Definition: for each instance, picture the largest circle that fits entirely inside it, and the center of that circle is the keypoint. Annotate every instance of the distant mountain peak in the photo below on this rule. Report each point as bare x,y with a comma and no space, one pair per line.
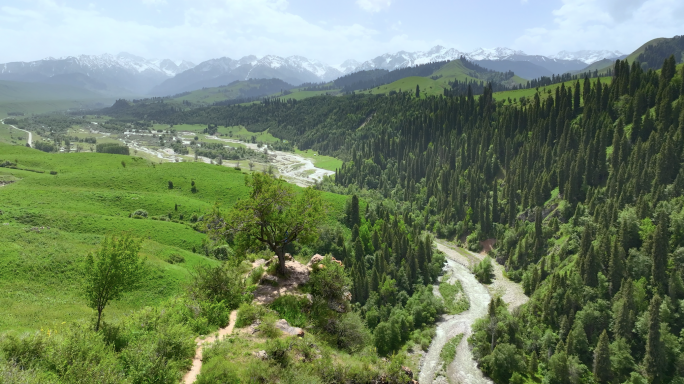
587,56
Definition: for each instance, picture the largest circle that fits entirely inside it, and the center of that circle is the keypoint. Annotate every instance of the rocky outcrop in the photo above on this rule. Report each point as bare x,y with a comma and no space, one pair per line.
287,329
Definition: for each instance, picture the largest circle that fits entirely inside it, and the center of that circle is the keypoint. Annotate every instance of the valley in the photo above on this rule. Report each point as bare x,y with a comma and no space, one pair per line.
428,217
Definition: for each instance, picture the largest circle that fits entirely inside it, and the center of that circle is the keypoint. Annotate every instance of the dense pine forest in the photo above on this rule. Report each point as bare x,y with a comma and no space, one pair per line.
581,187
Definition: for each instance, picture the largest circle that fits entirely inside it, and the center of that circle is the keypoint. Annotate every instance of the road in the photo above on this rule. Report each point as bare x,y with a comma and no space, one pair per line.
30,135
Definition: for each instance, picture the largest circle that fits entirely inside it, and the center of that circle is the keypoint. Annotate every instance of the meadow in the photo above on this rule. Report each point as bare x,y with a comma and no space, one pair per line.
60,206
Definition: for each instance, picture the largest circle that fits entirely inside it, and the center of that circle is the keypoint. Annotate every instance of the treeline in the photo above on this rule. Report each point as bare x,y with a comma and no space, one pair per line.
113,148
374,78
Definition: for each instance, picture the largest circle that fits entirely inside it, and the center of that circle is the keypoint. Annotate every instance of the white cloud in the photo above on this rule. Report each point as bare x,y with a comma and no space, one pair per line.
209,29
605,24
373,5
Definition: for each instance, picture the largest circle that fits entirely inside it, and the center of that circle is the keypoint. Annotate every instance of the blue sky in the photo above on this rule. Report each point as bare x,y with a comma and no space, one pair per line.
330,31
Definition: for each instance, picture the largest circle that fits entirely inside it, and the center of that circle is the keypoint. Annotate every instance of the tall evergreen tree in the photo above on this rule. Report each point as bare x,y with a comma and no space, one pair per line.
654,350
602,368
660,251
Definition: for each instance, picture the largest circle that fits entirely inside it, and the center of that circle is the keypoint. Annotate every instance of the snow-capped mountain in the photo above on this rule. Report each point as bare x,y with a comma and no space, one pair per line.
498,59
403,59
215,72
498,53
122,73
588,56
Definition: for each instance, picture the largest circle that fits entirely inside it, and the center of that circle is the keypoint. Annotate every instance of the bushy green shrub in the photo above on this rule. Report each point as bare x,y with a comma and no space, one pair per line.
218,284
139,214
255,275
292,308
267,327
484,271
248,314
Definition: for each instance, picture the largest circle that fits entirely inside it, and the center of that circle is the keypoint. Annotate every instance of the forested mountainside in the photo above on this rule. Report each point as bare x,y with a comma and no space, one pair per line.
581,187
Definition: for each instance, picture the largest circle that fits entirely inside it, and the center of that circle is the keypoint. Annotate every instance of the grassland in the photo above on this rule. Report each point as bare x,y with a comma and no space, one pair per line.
544,91
320,161
12,136
49,222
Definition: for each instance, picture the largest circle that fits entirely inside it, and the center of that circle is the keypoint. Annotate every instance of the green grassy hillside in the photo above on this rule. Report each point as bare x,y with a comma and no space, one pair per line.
49,222
633,56
549,90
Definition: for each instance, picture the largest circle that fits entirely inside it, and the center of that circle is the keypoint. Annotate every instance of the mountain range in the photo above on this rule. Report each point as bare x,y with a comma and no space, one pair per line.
126,74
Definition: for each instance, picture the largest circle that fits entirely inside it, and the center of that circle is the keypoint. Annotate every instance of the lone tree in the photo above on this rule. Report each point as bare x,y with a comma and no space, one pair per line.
274,215
112,271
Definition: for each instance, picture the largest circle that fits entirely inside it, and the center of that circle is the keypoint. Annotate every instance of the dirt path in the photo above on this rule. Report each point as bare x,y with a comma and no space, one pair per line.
30,135
191,376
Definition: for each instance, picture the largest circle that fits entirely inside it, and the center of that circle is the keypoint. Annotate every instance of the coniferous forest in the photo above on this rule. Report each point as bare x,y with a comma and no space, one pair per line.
582,188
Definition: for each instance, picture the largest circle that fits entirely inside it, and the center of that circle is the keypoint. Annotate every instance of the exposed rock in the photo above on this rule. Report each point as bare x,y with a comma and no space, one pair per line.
318,258
288,257
407,371
287,329
269,279
261,355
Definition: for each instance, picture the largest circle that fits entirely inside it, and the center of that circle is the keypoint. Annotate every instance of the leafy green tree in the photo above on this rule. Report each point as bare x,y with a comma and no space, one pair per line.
273,215
114,270
602,368
484,271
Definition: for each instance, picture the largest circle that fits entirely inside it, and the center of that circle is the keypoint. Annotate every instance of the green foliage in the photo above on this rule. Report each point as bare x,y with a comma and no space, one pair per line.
113,148
329,280
248,314
255,275
484,271
448,353
455,300
114,270
220,284
273,216
292,308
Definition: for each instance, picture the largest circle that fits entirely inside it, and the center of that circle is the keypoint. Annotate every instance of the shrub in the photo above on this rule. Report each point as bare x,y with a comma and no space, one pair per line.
255,275
267,327
350,332
248,314
484,271
329,282
24,351
140,213
170,184
175,259
292,308
223,252
218,284
278,351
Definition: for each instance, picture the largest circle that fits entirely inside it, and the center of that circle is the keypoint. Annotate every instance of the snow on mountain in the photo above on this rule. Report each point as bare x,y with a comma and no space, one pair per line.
588,56
498,53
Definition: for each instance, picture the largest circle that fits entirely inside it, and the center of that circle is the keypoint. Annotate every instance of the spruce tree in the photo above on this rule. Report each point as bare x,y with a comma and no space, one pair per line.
354,215
654,351
602,368
533,364
659,254
417,91
616,266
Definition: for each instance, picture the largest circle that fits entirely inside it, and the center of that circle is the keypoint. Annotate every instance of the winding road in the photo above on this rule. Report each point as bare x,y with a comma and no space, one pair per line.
30,135
464,368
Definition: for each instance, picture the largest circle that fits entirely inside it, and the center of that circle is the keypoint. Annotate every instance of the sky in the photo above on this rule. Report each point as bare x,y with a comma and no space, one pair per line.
329,31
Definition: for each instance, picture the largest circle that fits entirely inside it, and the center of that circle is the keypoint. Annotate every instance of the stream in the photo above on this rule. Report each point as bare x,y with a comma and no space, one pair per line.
463,369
